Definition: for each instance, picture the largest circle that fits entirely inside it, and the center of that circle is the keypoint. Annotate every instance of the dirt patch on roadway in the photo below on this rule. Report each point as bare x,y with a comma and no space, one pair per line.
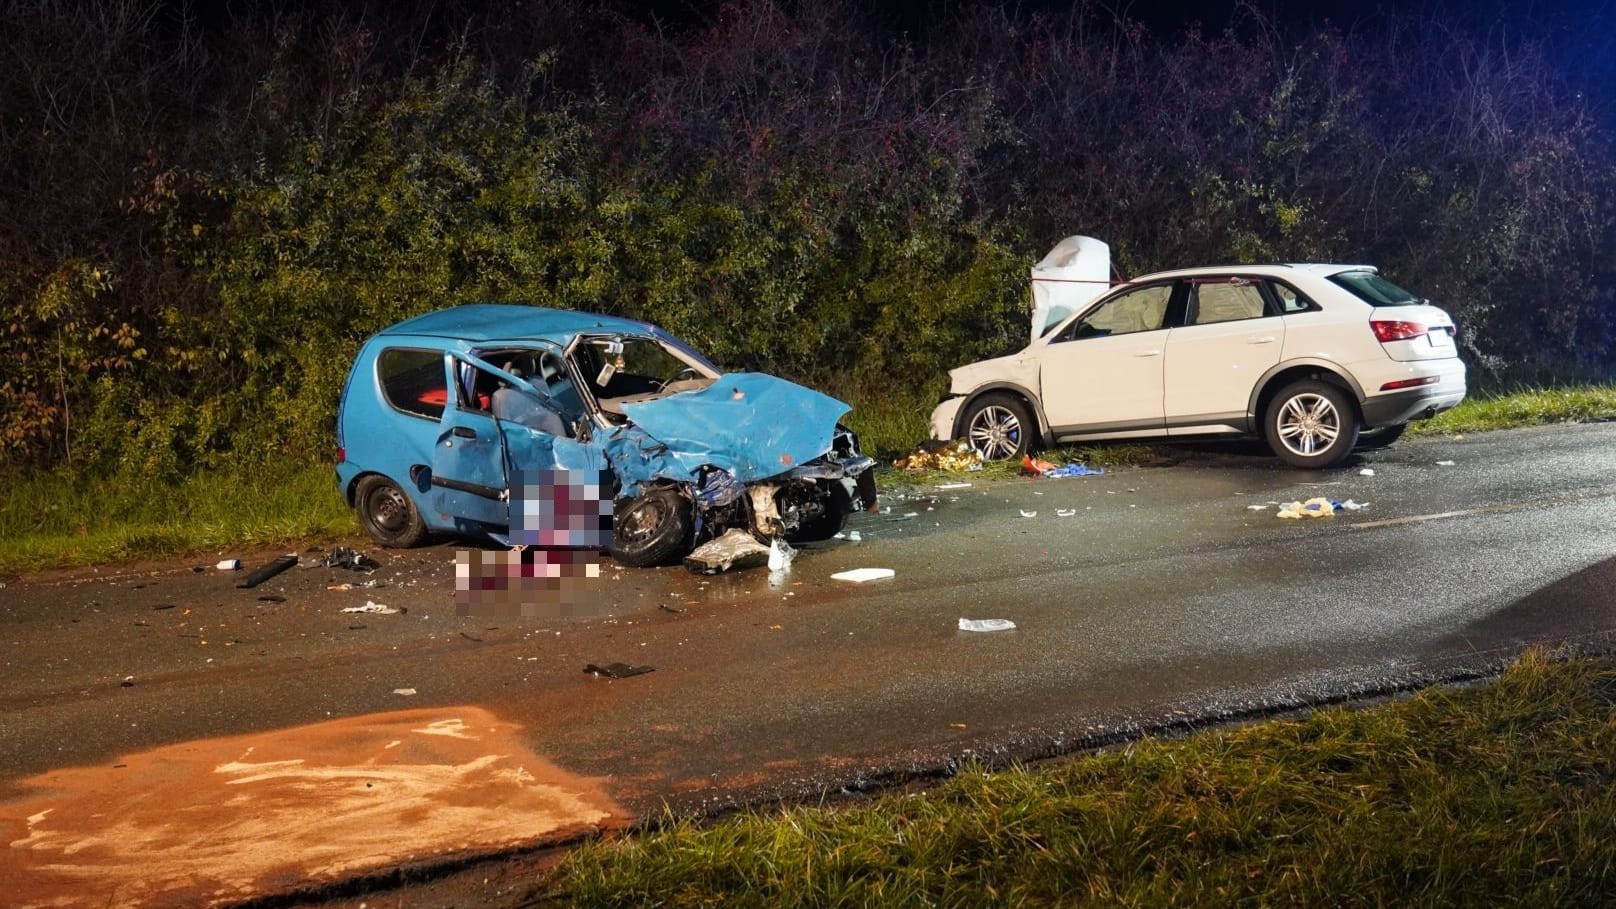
222,820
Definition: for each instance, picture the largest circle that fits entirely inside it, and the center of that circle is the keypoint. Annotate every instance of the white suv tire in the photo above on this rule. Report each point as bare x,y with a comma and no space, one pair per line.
1311,424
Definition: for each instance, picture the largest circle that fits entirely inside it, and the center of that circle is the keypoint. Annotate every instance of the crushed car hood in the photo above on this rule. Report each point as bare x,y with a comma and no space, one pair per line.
755,426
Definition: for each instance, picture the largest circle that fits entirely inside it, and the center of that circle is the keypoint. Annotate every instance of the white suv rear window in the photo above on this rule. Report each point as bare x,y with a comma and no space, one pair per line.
1375,290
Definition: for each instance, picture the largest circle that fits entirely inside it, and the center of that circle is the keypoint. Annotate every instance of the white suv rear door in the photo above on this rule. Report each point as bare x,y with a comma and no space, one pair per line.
1231,335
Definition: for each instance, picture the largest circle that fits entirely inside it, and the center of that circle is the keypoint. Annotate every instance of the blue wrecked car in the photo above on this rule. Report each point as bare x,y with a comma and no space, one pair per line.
444,413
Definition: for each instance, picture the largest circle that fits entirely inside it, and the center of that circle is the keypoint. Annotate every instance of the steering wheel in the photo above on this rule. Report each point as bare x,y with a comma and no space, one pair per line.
690,371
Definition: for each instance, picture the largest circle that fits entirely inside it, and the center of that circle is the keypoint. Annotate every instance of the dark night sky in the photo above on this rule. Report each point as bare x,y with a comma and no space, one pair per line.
913,15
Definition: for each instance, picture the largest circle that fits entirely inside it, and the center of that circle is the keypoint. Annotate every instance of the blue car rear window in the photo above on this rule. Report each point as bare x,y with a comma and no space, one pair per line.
413,380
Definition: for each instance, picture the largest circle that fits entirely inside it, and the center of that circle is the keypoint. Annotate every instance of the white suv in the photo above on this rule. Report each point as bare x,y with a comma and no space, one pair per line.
1303,356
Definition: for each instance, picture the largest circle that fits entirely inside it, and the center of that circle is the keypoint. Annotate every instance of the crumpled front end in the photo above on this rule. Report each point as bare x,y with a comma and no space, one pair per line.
749,451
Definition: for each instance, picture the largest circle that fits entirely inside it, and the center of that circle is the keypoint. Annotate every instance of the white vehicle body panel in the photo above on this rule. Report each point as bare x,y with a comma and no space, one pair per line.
1210,369
1209,378
1128,367
1074,274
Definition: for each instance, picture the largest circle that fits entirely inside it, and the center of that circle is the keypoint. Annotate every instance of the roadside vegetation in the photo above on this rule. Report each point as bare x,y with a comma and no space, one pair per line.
1530,406
1467,796
201,217
54,519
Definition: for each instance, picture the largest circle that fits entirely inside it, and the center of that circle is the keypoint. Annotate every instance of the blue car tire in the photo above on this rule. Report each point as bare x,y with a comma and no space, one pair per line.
387,514
651,529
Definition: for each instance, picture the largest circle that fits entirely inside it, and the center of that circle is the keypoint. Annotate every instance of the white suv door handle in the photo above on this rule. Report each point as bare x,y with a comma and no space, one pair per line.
1265,339
1148,353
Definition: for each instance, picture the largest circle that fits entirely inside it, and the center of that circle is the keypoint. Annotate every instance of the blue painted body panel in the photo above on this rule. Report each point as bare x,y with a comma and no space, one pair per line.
752,425
755,426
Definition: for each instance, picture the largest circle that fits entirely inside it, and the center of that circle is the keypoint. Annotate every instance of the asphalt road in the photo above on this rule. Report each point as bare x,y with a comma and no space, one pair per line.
1144,598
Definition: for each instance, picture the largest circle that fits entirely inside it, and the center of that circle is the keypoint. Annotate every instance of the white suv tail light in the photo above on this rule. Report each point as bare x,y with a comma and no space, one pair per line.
1413,332
1392,330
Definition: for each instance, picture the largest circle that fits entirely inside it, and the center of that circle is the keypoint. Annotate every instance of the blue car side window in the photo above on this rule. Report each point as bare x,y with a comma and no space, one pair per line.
412,381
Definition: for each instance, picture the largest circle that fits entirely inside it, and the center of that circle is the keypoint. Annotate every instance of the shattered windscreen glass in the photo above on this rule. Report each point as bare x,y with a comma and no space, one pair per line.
625,369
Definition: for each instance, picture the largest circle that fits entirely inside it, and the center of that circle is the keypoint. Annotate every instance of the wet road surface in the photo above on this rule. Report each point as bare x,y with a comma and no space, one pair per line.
1143,598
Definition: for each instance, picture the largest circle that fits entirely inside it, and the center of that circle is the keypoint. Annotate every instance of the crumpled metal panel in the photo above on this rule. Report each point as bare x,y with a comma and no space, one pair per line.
753,425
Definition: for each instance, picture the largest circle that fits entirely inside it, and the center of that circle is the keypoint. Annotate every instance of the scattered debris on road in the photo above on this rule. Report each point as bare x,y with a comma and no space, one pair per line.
953,486
348,558
371,584
986,625
862,575
407,692
737,548
372,608
1038,467
228,565
1028,514
272,598
1367,472
617,670
1318,507
934,455
1444,463
268,571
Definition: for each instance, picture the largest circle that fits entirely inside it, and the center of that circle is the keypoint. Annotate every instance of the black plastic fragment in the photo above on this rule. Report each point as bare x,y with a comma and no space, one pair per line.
617,670
351,559
269,571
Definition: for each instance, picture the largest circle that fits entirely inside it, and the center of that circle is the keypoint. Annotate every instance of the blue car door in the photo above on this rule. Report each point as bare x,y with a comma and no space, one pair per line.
469,482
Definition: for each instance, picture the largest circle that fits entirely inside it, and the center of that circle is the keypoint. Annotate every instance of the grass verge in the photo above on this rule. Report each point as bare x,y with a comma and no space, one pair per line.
1461,797
1512,408
56,519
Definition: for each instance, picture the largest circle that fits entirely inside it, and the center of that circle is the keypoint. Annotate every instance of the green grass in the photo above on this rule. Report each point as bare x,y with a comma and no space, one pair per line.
1510,408
1502,793
56,519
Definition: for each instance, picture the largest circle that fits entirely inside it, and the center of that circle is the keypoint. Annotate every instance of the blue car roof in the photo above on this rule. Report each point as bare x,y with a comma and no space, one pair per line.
504,321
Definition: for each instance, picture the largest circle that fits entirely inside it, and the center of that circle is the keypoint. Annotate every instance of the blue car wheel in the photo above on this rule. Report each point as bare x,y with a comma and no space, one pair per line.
387,514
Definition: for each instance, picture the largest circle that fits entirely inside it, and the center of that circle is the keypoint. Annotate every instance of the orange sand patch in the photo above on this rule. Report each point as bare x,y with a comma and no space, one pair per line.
220,820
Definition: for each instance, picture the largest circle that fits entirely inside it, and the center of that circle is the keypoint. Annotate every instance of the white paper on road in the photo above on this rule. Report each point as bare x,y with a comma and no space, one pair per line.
860,575
373,608
986,625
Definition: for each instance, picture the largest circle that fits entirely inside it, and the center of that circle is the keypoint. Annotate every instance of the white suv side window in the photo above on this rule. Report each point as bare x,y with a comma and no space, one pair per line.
1144,309
1289,300
1225,301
